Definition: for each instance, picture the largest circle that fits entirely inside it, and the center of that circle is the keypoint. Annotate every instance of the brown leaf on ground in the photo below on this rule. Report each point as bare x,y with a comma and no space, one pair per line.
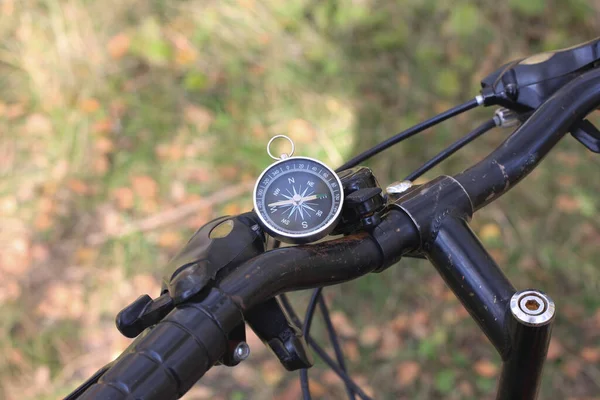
170,239
118,45
272,372
199,116
486,368
86,255
555,350
407,372
466,389
14,110
400,323
89,105
293,391
342,325
351,351
389,345
124,197
571,368
104,145
566,203
229,172
103,126
490,232
62,301
78,186
591,354
15,254
370,335
144,186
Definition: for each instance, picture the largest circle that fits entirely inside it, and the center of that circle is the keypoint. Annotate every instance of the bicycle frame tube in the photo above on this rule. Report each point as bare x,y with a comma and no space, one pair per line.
519,324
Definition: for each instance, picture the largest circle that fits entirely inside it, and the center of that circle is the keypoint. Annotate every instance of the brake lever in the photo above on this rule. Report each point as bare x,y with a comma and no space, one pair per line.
526,83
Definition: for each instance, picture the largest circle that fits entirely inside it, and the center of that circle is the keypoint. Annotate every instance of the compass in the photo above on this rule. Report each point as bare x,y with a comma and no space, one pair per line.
298,199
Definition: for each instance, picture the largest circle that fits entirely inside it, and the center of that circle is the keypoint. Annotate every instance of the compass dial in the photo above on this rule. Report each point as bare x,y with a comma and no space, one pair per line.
298,199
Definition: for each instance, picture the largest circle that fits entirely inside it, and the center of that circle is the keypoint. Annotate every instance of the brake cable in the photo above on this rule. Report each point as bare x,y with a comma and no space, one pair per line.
316,297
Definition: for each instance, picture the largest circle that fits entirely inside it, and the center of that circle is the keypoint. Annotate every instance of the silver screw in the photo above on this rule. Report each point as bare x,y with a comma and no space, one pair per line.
398,187
241,352
532,307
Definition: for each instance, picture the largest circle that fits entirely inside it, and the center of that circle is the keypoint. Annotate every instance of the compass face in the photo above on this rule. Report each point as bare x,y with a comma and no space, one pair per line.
298,199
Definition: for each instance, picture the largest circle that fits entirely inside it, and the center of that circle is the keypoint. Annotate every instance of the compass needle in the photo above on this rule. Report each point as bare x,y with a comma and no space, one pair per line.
298,199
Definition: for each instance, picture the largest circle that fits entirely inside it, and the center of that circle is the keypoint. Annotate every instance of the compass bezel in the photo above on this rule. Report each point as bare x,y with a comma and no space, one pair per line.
298,238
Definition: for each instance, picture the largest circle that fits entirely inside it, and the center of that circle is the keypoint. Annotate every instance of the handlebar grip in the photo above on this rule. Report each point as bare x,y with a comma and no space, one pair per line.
165,361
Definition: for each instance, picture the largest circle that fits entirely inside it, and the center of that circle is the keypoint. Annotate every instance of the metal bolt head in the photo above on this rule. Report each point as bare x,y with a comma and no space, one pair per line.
532,307
241,352
398,187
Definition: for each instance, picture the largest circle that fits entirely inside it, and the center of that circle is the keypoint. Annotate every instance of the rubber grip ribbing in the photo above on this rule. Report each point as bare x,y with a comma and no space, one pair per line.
165,361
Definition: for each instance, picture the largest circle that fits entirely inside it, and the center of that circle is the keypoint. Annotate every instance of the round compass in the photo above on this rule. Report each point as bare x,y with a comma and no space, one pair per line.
298,199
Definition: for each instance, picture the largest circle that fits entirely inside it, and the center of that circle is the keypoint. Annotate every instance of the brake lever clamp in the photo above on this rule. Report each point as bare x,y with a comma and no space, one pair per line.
364,202
214,249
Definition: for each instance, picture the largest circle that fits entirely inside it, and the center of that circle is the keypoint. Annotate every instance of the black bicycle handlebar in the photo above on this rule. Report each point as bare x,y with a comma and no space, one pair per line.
527,146
168,359
165,361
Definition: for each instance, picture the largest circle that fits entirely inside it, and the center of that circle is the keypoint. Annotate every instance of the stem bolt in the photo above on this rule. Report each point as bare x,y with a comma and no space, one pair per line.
532,307
241,352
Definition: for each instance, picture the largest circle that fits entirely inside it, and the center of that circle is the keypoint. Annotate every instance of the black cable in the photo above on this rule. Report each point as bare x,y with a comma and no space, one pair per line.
321,352
310,311
339,354
408,133
353,162
453,148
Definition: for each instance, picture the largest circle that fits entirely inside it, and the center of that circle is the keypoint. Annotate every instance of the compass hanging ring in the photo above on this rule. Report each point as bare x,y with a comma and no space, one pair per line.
283,155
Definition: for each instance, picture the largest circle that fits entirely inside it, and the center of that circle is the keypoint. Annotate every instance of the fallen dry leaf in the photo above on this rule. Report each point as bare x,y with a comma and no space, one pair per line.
489,232
144,186
342,324
89,105
571,368
170,239
104,145
77,186
14,110
351,351
293,391
591,354
465,388
103,126
199,116
389,345
555,350
486,368
124,197
407,372
566,203
62,301
118,45
272,372
370,335
86,255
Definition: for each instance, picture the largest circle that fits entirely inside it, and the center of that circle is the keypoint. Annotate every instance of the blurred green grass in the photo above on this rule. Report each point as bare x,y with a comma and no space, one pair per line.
113,112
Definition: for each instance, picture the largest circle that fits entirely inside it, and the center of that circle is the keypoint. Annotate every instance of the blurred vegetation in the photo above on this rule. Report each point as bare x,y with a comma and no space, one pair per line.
116,116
